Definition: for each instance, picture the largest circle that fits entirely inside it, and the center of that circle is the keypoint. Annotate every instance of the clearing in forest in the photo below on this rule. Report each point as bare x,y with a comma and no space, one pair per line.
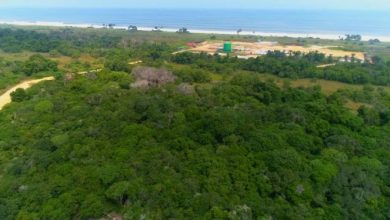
254,49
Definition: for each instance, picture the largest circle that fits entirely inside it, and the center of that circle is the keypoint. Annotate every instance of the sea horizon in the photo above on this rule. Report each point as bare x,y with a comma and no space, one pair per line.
331,24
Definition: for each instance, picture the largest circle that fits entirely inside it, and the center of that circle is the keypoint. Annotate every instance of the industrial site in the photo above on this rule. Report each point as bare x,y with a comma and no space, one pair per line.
247,50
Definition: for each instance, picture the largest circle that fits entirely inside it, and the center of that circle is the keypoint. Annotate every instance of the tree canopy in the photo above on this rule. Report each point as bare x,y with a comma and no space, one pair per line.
207,138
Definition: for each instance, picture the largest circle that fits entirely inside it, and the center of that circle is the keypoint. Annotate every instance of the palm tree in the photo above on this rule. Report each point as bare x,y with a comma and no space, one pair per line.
353,58
183,30
132,28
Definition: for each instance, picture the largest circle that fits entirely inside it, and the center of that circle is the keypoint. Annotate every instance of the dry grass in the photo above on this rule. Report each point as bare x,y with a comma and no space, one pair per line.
65,60
16,56
326,65
61,60
328,87
354,105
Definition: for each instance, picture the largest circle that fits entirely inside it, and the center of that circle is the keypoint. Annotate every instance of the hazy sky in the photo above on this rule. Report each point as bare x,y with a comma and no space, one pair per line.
259,4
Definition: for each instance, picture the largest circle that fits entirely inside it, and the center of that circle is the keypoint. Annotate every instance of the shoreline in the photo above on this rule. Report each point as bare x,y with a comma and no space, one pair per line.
325,36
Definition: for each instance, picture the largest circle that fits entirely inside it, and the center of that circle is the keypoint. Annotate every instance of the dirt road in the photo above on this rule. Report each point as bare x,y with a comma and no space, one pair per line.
5,98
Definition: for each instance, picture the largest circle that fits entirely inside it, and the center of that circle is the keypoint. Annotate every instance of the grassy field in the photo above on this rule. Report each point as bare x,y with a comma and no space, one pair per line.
327,87
15,56
63,61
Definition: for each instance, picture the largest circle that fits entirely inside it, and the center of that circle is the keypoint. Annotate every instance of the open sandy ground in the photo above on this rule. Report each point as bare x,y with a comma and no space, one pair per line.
255,49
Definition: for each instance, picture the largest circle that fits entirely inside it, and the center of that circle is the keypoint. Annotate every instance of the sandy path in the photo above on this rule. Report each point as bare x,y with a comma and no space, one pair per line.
135,62
90,71
326,65
5,98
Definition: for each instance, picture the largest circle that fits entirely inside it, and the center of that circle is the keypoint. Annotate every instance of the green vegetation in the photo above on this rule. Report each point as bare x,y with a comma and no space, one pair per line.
296,65
353,37
19,95
15,70
189,136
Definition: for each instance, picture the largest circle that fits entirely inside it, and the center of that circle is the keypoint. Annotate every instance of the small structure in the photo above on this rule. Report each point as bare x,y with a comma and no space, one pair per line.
227,47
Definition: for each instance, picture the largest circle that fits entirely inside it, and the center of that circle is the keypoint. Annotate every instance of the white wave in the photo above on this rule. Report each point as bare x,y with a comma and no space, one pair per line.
249,33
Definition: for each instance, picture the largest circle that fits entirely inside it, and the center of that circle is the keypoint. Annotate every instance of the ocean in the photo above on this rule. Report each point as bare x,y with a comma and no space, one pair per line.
336,22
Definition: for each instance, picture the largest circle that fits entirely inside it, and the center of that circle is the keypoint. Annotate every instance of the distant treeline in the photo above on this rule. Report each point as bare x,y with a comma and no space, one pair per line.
65,41
295,65
108,44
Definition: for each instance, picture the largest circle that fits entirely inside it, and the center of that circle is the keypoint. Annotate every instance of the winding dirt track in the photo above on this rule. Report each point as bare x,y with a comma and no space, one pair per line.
5,98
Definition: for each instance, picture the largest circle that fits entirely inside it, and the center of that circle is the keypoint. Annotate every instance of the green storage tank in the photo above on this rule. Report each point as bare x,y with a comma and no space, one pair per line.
227,47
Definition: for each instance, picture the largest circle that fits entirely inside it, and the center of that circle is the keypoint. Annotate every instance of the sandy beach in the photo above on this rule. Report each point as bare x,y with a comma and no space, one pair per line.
227,32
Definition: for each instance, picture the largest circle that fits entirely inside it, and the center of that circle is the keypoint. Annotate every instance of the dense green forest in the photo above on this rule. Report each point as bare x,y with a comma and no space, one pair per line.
166,140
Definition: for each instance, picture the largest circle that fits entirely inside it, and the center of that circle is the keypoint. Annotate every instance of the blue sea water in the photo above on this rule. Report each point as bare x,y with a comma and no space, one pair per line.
375,23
